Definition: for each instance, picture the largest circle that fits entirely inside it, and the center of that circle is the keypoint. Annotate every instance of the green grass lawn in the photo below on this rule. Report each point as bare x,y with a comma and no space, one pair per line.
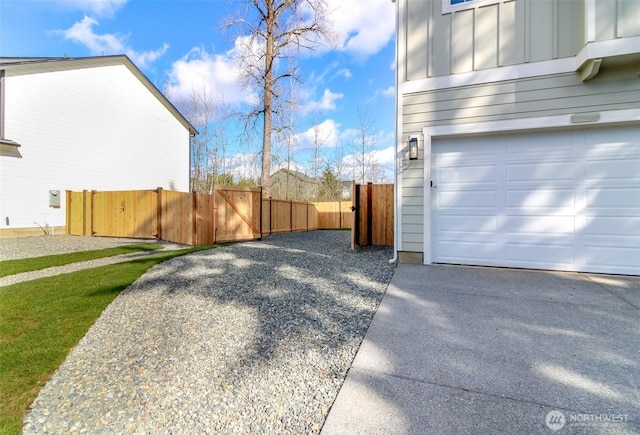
41,320
11,267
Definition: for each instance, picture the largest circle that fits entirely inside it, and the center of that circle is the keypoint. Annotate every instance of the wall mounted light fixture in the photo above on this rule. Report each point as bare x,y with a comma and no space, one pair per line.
413,148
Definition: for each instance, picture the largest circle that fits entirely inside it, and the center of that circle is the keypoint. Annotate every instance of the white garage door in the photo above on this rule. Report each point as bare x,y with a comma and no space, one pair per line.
563,200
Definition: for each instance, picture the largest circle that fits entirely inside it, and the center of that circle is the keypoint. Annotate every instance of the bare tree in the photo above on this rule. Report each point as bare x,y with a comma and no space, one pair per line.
285,125
364,156
282,28
209,115
320,139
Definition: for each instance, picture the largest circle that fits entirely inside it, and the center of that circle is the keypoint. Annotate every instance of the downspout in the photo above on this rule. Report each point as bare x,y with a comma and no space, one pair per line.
395,147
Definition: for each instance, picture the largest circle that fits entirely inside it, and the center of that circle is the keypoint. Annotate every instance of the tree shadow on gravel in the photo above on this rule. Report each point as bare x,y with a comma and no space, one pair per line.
310,300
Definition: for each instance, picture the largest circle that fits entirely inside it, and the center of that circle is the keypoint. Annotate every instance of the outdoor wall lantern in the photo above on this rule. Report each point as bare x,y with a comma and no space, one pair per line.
413,148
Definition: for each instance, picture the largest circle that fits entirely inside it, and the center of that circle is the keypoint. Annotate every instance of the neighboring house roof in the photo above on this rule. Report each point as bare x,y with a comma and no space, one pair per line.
32,65
295,174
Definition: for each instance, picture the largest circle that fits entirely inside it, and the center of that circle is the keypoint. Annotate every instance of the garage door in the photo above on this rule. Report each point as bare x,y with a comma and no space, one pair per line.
563,200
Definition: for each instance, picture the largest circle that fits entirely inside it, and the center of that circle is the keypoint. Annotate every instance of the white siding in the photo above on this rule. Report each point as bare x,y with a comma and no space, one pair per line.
92,128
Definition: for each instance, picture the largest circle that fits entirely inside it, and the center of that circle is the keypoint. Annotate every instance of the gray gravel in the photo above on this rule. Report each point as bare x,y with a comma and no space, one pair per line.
252,338
37,246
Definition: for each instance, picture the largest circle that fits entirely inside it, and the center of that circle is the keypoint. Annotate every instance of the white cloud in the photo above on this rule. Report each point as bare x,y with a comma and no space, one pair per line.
364,27
343,72
82,32
327,133
243,166
104,8
379,165
326,102
390,92
217,73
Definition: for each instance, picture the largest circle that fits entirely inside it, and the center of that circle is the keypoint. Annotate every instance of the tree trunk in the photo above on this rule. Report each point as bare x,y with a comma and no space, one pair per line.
265,180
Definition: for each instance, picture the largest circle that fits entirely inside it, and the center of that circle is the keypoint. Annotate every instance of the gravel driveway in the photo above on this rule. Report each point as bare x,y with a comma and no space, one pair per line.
253,338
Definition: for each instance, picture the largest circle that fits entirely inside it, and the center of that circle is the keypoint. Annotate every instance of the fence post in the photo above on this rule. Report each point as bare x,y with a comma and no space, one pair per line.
194,217
270,216
92,208
369,213
68,212
260,202
159,214
291,215
215,214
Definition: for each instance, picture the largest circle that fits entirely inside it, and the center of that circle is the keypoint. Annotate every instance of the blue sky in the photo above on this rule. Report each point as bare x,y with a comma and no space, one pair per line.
181,45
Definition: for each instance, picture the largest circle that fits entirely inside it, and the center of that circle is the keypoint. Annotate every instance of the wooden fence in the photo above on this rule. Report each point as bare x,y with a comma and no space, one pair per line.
230,214
333,215
374,214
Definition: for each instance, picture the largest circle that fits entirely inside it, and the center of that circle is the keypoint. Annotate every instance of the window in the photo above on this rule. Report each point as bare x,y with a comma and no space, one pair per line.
449,6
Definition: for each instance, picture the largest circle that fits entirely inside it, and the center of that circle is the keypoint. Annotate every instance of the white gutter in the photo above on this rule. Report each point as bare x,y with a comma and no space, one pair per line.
395,160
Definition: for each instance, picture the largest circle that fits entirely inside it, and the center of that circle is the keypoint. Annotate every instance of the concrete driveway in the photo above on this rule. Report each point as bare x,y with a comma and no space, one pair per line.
456,349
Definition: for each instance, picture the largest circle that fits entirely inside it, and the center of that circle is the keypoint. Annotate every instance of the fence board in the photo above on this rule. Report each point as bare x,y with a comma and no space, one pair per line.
205,221
177,217
75,213
312,217
280,216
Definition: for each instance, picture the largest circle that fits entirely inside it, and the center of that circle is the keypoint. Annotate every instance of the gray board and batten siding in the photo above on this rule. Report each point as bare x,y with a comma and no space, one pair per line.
501,34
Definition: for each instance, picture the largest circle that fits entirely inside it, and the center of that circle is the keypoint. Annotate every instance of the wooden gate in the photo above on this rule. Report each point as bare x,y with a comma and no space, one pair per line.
238,214
373,215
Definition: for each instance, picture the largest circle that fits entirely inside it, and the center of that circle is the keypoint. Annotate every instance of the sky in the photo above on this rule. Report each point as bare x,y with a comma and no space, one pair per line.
182,46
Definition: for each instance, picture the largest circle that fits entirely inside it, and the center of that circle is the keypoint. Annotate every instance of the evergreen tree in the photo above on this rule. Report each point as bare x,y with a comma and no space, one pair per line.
330,189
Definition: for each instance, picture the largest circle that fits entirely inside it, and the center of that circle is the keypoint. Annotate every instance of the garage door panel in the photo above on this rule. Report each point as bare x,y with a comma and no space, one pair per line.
619,141
610,259
617,226
613,198
547,173
468,175
468,224
456,199
562,200
548,255
537,199
613,169
555,145
540,225
460,251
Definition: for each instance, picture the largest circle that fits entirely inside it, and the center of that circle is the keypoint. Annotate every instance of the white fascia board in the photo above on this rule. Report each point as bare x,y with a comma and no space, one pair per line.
609,48
612,117
499,74
592,50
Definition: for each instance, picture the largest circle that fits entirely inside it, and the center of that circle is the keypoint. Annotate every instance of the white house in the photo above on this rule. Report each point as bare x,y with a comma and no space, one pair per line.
93,123
526,118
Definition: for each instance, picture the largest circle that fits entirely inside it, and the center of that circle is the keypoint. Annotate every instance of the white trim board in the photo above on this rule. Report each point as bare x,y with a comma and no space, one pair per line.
626,116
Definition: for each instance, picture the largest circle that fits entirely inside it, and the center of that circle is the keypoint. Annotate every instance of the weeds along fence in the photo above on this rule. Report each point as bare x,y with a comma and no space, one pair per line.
229,214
